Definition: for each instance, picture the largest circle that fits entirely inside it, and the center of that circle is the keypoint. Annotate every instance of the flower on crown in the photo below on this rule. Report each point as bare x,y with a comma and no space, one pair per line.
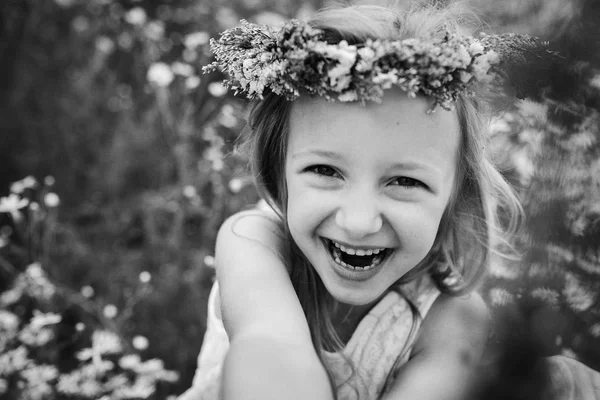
296,59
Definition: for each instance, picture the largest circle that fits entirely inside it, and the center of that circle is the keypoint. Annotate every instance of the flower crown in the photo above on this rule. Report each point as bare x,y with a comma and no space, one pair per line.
296,58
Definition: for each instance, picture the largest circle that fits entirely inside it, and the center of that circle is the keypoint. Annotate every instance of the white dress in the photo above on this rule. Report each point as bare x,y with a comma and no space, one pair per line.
382,342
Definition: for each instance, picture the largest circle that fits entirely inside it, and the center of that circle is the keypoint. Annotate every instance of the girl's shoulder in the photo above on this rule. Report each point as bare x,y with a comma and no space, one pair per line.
455,326
420,292
260,225
261,211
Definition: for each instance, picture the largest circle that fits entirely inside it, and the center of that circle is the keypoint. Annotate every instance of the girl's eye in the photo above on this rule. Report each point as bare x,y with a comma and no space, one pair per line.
405,181
323,170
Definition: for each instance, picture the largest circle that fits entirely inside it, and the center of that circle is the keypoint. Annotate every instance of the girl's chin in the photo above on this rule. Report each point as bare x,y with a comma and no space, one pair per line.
356,289
353,296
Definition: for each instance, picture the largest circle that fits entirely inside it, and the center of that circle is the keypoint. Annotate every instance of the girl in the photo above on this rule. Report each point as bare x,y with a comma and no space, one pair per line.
357,280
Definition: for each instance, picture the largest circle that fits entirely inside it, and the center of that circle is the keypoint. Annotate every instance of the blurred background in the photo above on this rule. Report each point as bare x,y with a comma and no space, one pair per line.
117,168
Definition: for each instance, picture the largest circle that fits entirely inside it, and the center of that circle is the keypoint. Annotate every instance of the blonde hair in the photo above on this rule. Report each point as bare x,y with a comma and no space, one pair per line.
469,229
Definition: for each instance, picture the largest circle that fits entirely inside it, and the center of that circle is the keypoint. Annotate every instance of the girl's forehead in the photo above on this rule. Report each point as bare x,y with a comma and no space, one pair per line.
398,125
395,107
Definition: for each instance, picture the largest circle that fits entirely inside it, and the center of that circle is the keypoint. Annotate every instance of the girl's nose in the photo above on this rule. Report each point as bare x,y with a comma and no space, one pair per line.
359,217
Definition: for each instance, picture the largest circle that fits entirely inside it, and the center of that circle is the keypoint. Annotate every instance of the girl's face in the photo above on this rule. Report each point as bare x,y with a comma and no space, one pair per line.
367,187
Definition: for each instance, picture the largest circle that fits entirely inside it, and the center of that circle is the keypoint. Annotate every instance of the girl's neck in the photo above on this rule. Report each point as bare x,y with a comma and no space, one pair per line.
346,317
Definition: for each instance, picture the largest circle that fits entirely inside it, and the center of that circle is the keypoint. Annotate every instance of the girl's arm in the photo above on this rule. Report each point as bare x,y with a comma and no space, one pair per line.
447,352
271,354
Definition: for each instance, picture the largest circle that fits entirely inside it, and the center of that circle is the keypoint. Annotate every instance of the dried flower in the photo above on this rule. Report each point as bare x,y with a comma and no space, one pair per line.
51,200
13,205
145,277
295,59
110,311
196,39
18,187
192,82
216,89
140,343
33,282
235,185
39,381
183,69
136,16
14,360
190,191
577,295
87,291
129,361
37,333
106,342
160,74
209,261
105,45
49,180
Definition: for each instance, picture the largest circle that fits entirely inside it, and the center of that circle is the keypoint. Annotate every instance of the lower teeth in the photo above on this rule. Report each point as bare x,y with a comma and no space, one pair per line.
337,254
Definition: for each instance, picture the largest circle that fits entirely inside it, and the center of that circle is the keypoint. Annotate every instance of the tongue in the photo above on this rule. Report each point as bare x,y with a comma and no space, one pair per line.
357,261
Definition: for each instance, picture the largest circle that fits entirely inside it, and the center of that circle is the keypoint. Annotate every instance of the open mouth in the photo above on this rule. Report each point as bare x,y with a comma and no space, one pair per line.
356,258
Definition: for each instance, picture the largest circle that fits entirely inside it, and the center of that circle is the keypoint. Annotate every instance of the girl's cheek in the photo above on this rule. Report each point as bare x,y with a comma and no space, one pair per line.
306,207
416,222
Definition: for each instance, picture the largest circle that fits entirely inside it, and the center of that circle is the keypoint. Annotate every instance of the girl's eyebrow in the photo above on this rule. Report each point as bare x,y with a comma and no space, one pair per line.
318,152
416,166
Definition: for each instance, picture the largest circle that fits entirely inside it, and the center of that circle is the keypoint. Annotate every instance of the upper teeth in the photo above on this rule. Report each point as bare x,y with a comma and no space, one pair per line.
358,252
